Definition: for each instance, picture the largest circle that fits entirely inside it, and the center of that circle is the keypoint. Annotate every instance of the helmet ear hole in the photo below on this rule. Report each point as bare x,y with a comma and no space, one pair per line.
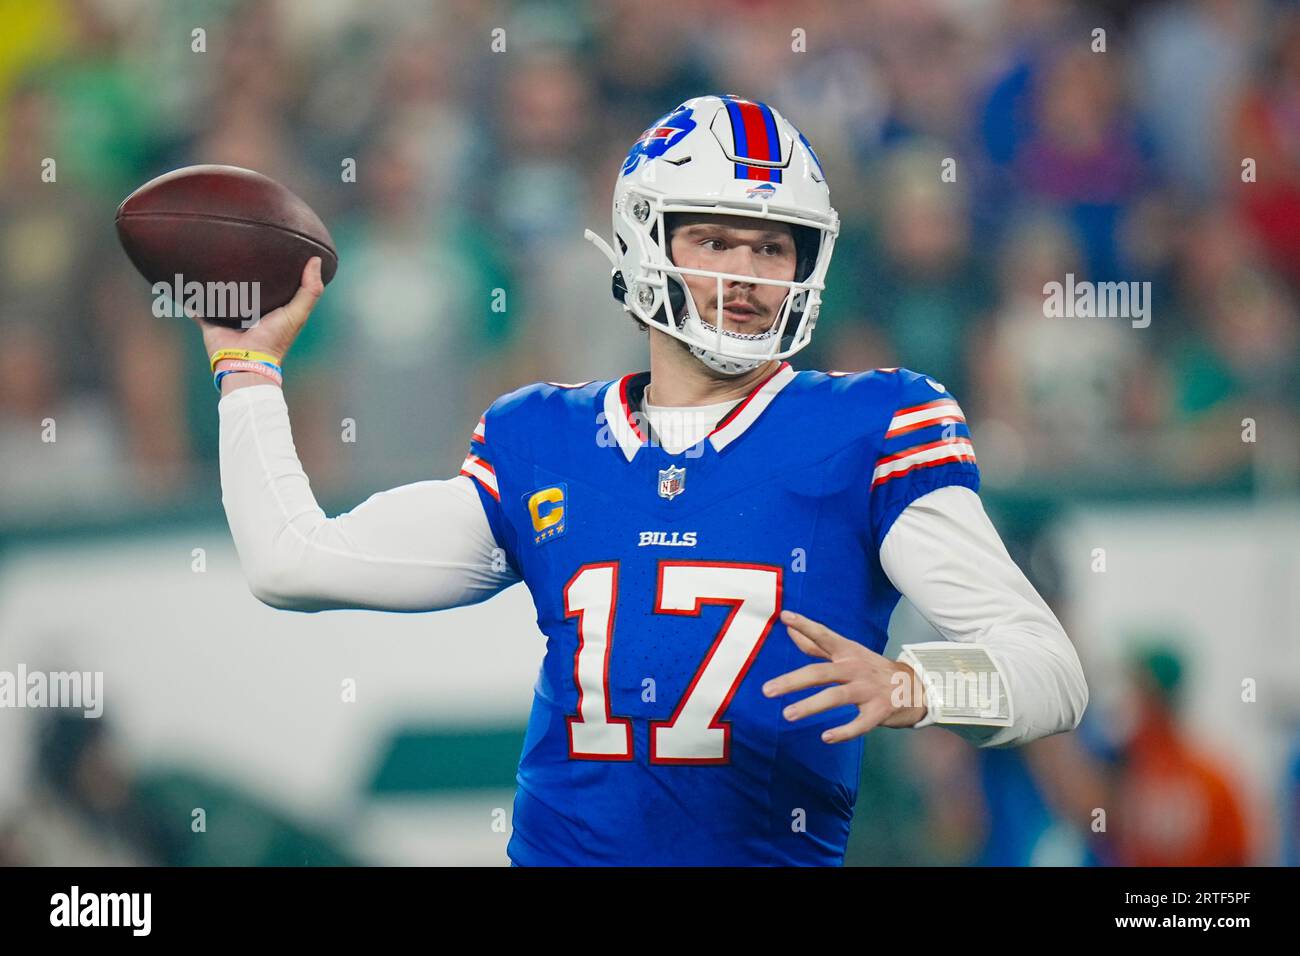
807,243
677,296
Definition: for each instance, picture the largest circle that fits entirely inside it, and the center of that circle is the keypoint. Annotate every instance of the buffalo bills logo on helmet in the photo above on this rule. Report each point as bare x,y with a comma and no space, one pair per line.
661,137
760,191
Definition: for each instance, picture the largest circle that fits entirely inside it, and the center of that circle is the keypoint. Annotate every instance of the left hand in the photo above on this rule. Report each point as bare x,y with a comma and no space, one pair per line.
860,675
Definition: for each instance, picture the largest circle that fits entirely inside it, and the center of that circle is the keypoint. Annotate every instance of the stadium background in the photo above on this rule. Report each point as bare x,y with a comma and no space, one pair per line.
1113,456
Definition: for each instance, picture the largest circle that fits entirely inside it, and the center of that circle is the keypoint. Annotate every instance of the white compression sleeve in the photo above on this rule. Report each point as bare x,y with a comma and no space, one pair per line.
421,547
944,555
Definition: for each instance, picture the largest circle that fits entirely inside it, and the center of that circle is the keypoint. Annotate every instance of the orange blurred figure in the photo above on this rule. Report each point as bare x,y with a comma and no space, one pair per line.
1178,806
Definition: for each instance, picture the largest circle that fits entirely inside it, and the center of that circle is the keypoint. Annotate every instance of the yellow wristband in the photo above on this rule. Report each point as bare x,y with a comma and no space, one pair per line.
243,354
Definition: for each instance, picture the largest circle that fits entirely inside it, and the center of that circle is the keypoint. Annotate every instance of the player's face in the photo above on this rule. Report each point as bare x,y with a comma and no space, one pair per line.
742,246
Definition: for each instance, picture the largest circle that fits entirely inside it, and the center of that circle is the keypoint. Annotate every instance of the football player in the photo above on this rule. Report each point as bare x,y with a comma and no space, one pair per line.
714,545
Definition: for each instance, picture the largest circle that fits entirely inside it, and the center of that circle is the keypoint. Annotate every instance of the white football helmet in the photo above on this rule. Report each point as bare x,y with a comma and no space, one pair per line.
728,156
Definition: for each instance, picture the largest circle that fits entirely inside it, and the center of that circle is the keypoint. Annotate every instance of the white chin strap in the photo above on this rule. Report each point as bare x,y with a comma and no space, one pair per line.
725,365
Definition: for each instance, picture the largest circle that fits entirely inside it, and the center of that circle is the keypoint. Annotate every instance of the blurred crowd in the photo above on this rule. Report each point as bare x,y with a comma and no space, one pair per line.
486,136
87,805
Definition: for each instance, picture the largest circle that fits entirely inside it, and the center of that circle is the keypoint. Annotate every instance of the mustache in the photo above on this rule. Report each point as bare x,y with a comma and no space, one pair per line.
744,300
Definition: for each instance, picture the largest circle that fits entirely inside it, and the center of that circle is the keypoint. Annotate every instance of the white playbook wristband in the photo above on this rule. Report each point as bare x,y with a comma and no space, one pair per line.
963,684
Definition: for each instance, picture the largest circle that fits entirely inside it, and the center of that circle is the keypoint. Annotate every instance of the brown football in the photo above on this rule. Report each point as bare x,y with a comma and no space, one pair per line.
214,225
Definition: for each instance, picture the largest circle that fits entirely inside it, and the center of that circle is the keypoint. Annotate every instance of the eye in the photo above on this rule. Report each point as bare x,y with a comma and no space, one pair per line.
772,249
714,244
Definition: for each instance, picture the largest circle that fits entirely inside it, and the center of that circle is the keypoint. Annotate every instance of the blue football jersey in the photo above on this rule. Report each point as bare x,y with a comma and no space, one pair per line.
658,581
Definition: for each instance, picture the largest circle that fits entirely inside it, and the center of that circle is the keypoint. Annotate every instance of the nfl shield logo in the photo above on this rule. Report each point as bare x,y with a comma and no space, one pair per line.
672,482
